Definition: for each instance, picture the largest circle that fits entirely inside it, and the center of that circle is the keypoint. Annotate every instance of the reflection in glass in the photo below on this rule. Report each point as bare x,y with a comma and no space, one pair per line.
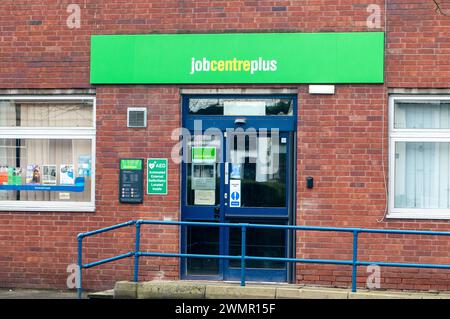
260,243
261,161
204,241
256,107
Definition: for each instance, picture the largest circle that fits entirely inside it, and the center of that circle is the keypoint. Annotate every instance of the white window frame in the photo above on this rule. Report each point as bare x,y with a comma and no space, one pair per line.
81,133
412,135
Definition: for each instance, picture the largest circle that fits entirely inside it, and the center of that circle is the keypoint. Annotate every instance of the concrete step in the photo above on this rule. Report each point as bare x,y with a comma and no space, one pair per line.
107,294
219,290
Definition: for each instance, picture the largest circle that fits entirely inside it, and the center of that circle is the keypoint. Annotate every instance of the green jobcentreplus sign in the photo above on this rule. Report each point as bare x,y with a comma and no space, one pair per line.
310,58
157,176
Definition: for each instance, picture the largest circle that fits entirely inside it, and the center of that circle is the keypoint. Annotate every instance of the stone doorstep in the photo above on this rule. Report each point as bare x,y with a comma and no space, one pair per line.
220,290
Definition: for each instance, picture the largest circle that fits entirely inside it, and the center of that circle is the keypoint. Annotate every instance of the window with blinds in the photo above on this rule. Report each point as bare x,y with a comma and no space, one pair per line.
47,157
420,157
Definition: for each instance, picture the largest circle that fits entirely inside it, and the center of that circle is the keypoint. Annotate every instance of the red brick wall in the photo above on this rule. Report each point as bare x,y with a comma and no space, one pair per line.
39,50
343,144
341,141
418,45
36,248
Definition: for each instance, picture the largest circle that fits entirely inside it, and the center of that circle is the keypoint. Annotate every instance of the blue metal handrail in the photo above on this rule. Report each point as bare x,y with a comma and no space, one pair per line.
354,262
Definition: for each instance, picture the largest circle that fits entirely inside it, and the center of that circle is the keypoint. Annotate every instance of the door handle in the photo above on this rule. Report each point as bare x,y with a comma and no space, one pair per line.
216,212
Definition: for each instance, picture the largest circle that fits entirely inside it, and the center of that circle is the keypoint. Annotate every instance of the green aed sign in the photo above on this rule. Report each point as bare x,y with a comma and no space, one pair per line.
157,176
313,58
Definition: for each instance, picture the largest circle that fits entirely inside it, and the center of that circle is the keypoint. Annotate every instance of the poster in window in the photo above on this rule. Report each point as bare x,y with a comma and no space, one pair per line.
17,176
236,171
33,174
205,197
67,175
3,175
203,176
49,174
84,165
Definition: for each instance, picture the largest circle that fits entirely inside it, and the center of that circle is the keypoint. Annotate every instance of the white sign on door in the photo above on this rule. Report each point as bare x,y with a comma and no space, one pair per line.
235,193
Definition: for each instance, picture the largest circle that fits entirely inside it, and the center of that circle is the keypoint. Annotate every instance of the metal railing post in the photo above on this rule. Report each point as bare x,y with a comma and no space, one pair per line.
354,260
80,267
243,252
136,250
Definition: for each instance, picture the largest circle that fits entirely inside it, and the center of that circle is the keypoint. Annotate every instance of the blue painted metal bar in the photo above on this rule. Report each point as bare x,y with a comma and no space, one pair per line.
206,224
210,224
302,260
308,228
243,253
103,230
151,254
243,258
404,265
351,230
136,251
306,261
107,260
405,232
355,260
79,280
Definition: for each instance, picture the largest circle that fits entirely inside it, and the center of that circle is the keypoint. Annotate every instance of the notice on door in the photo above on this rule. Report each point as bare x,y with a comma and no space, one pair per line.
205,197
235,193
157,176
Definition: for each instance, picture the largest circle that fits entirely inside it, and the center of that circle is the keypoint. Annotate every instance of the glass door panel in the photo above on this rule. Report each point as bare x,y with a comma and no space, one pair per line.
203,241
260,242
202,183
257,170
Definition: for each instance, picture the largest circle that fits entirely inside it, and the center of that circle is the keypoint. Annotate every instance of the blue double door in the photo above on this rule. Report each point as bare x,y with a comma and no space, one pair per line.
238,167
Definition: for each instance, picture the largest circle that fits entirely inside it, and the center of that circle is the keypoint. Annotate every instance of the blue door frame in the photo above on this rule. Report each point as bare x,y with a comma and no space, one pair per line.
287,127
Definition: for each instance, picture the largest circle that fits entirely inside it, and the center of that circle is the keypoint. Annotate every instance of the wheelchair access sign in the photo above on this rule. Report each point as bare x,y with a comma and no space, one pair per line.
235,193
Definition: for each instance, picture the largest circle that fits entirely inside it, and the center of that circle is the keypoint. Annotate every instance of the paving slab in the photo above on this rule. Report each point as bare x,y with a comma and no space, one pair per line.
38,294
125,290
238,292
376,295
310,293
171,290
